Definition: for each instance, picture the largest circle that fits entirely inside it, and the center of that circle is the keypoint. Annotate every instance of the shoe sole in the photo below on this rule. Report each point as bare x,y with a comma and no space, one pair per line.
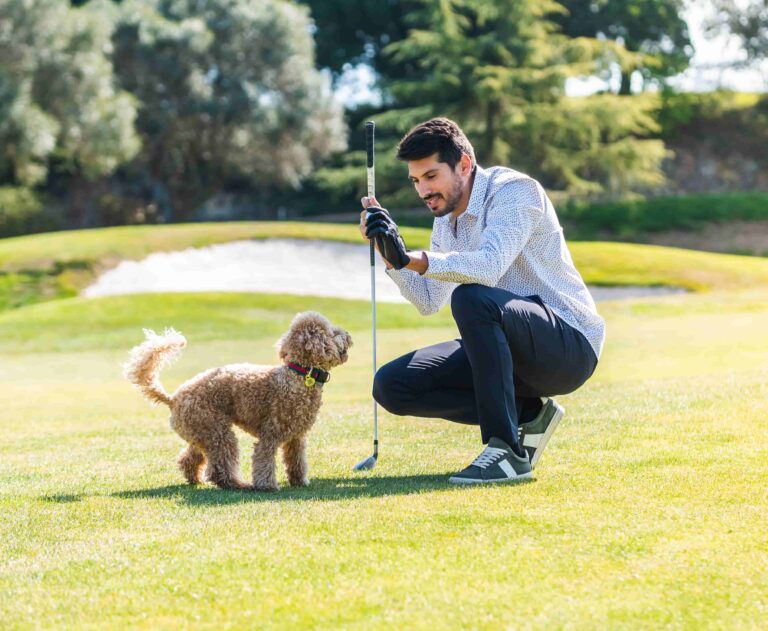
518,478
559,413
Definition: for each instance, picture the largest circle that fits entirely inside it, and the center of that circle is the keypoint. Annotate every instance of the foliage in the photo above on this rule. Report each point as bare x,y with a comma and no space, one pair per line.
355,31
57,98
228,94
675,110
22,211
654,29
749,22
351,32
595,147
499,69
626,219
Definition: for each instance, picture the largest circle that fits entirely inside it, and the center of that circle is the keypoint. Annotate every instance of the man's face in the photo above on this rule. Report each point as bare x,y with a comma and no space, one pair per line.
441,187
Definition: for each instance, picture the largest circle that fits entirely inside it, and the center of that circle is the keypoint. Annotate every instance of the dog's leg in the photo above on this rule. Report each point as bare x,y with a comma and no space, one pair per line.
191,462
264,477
223,460
295,458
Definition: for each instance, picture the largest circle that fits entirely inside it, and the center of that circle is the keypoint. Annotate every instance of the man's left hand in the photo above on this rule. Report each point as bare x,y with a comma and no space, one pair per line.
380,226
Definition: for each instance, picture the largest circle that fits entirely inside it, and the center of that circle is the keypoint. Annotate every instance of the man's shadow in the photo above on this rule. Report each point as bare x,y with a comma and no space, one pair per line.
328,489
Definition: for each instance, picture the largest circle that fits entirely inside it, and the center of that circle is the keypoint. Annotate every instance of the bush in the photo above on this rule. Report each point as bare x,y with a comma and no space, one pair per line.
676,110
22,211
625,219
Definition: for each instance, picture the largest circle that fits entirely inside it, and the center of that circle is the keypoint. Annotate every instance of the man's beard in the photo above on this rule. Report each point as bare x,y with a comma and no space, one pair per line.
451,203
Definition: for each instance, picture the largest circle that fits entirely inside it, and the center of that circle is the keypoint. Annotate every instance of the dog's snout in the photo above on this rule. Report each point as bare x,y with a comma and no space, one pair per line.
343,341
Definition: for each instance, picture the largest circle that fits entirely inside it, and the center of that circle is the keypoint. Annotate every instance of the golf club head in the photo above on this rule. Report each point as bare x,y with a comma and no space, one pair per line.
365,465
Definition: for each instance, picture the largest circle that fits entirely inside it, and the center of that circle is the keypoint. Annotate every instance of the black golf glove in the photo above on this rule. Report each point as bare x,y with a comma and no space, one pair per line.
380,226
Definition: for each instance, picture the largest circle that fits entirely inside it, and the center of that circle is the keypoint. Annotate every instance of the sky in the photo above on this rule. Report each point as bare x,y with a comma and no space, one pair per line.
712,67
713,62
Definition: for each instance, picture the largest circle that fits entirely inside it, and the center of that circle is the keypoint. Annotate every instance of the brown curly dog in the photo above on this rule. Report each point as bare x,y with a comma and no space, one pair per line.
276,404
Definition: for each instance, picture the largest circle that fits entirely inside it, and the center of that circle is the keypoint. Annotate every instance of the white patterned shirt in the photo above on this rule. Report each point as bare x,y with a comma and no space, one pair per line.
508,237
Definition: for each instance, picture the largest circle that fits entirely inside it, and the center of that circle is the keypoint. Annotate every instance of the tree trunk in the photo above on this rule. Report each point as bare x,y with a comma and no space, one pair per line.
626,80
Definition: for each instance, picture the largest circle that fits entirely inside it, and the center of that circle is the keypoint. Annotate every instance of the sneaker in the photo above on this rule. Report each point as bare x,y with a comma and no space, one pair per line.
535,434
497,463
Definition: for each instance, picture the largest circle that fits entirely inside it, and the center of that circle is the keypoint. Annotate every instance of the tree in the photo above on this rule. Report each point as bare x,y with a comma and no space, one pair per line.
57,95
228,93
749,22
355,31
652,28
499,67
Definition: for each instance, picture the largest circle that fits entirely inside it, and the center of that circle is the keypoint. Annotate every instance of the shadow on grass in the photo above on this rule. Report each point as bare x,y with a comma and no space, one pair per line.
322,489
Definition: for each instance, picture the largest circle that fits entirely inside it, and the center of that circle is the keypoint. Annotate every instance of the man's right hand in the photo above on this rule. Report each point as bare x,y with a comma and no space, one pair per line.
367,202
380,226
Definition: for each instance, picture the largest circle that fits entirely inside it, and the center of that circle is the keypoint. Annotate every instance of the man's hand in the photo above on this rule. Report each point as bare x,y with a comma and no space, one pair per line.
380,226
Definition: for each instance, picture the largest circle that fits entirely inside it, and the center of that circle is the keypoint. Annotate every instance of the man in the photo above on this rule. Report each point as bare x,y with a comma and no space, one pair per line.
529,328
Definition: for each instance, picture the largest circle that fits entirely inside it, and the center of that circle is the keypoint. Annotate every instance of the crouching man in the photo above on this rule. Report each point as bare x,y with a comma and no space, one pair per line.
528,325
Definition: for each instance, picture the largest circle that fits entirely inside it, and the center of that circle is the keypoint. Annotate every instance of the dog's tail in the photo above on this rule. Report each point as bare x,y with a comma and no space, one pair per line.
147,359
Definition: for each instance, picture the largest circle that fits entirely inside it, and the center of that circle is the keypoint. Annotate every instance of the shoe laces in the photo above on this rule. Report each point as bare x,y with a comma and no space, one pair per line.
488,457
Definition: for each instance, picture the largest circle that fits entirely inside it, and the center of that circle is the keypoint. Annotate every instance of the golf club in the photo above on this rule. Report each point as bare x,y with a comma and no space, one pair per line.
370,462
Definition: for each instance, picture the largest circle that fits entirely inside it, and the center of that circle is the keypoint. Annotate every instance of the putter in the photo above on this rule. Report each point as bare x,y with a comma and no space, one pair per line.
370,461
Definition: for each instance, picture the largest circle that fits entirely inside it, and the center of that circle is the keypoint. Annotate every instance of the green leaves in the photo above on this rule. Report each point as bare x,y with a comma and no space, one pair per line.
57,93
228,90
499,68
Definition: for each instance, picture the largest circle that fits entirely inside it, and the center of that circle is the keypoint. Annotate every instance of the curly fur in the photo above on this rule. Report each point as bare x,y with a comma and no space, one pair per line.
271,403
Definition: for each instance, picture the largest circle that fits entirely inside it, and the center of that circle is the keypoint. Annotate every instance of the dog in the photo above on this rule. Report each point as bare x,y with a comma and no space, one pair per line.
276,404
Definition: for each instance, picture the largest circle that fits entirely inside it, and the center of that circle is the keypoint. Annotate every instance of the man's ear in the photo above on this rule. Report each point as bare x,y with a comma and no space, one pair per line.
465,165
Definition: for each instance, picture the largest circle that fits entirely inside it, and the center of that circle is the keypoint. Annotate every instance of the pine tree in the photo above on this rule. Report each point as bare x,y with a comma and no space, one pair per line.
499,67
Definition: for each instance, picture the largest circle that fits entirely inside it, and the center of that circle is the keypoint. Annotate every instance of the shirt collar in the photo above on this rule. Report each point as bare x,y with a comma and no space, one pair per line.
477,196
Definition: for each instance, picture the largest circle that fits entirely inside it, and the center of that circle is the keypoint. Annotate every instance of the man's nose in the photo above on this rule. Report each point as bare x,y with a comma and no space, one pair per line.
424,190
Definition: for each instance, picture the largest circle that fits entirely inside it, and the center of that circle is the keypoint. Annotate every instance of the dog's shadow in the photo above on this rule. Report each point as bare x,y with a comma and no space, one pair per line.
323,489
328,489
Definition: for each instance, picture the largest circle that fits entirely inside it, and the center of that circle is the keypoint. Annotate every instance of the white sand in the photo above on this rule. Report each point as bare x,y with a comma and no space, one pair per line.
288,266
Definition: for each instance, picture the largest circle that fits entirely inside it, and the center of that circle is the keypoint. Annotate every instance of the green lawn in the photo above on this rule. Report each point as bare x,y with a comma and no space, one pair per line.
647,511
57,265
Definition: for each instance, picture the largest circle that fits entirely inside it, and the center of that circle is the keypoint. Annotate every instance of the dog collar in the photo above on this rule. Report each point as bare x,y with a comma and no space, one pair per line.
312,376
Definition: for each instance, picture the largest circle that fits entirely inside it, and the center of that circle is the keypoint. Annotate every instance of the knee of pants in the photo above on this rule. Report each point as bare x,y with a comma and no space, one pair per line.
386,389
469,300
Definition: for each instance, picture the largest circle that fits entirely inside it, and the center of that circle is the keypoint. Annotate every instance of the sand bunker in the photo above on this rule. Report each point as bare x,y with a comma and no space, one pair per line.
286,266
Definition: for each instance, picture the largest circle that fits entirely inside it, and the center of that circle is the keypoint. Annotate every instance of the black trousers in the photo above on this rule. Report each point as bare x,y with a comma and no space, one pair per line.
512,351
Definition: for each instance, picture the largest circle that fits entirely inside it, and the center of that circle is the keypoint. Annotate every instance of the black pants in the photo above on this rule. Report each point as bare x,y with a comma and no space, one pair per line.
512,350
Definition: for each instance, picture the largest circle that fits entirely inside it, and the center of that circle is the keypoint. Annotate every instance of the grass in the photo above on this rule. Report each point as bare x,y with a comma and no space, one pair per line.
58,265
51,266
645,510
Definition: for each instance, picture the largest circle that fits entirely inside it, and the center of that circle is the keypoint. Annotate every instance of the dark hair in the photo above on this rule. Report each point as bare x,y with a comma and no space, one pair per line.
437,135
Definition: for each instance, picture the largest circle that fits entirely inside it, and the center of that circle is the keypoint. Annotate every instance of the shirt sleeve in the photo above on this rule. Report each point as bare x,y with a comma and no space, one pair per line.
426,294
513,214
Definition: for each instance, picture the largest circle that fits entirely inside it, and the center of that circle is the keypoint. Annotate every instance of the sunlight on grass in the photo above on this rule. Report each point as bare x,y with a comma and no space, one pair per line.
43,267
645,510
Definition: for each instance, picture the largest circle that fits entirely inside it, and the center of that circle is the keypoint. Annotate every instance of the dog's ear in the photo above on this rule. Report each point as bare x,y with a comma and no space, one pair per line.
280,345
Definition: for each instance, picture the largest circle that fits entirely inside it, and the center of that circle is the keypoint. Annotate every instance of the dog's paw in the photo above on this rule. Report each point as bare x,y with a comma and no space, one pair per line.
299,481
264,488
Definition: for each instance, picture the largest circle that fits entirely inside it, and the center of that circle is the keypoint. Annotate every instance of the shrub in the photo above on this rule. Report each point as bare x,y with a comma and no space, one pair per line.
624,219
22,211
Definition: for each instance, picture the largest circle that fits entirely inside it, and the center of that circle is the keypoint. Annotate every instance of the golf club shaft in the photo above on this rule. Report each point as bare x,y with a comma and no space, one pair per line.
369,146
